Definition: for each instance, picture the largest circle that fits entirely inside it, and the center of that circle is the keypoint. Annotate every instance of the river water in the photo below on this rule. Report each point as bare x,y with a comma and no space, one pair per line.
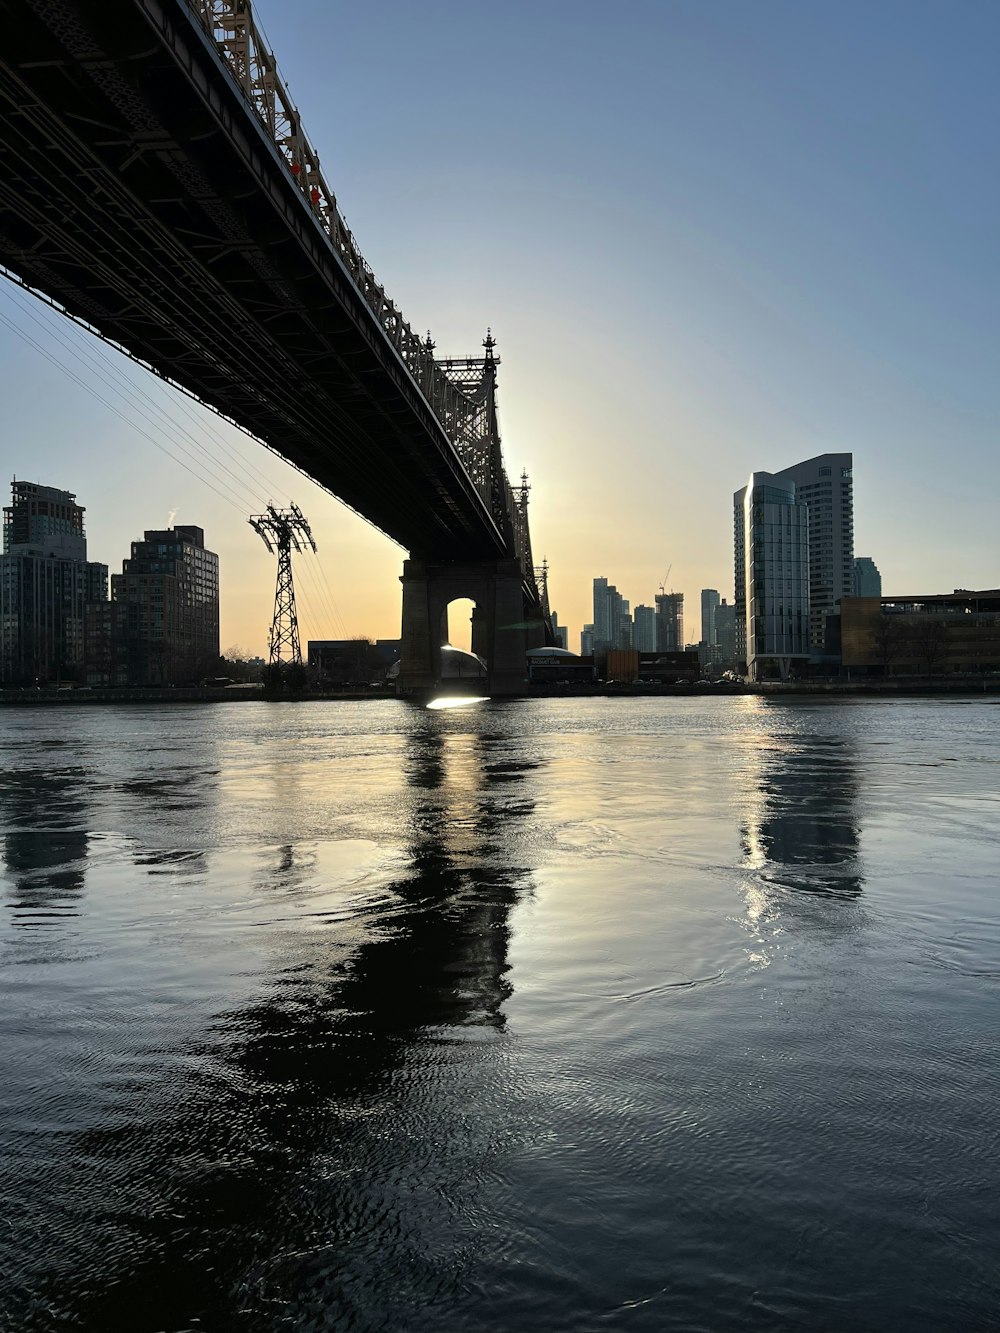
573,1014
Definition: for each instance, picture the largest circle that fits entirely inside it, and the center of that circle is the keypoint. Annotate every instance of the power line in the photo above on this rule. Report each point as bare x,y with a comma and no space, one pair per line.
180,388
118,413
129,391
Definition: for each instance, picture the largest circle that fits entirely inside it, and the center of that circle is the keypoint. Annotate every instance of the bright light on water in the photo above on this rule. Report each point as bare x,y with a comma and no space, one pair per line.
457,700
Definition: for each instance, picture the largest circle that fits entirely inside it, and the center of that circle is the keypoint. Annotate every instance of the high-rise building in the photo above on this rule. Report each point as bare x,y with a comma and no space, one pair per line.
773,534
625,625
825,485
587,641
608,612
602,611
740,578
168,632
46,582
709,606
669,622
644,629
560,631
725,630
866,581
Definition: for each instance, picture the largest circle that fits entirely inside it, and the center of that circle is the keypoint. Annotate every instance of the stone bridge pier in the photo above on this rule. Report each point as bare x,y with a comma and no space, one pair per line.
503,628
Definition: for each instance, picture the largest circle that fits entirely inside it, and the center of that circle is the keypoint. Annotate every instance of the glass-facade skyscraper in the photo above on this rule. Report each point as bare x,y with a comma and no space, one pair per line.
610,617
866,580
709,606
772,533
825,485
644,629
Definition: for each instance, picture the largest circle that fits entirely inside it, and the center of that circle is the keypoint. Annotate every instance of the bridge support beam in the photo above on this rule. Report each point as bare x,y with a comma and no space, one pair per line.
501,633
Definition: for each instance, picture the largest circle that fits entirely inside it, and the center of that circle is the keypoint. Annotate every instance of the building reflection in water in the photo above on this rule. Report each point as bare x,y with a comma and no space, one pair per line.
44,816
802,821
800,835
299,1162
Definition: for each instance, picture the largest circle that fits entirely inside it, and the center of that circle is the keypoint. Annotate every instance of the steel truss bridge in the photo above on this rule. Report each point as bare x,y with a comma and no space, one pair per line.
156,183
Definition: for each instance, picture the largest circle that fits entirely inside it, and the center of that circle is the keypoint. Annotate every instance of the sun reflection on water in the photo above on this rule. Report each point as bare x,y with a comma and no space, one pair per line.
457,700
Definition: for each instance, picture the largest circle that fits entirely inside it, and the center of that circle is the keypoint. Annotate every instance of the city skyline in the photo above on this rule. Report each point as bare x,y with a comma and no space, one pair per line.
803,299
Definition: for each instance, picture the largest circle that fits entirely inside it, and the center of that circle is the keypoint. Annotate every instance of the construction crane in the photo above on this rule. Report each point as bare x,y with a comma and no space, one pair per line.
663,581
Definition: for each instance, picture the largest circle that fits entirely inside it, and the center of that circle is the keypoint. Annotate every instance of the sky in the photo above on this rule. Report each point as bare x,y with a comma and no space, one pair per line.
710,238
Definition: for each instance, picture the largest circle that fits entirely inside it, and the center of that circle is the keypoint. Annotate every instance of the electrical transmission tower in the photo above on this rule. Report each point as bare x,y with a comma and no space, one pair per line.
282,531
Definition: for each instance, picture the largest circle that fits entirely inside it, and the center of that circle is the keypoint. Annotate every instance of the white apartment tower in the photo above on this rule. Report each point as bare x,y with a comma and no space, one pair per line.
825,486
772,534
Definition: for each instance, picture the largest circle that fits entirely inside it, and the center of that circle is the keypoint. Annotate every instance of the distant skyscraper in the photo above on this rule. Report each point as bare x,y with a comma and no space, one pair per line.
560,631
709,605
644,629
169,588
740,577
825,485
587,641
602,611
608,613
625,625
773,534
46,582
866,580
669,622
725,630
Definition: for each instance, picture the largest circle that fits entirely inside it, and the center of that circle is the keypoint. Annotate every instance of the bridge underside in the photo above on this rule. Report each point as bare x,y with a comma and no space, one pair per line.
139,191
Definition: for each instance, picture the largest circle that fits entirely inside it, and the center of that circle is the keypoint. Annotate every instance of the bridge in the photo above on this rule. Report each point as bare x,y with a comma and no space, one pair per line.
156,183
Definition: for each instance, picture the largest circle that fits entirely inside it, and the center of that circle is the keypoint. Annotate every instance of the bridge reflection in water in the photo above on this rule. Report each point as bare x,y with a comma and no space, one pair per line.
284,1172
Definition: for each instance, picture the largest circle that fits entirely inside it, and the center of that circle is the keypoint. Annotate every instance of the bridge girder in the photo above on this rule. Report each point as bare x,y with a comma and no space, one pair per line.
141,191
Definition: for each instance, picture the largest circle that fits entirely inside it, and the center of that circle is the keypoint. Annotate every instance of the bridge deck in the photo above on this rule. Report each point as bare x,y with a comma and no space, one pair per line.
139,190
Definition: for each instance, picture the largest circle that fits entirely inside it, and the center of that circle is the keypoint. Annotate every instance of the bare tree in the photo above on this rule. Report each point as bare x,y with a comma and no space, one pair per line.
236,663
889,641
930,643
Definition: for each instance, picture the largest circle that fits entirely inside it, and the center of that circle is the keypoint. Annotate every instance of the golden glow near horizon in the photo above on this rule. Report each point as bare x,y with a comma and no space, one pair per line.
668,318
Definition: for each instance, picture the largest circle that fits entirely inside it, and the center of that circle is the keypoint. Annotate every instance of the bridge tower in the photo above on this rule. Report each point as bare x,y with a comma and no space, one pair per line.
282,531
508,618
542,580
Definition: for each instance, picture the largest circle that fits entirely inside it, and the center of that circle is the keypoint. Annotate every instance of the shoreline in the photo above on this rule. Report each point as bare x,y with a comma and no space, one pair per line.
770,689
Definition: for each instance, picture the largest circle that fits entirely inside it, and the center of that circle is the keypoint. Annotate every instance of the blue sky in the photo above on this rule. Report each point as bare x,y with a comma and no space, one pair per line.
710,238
